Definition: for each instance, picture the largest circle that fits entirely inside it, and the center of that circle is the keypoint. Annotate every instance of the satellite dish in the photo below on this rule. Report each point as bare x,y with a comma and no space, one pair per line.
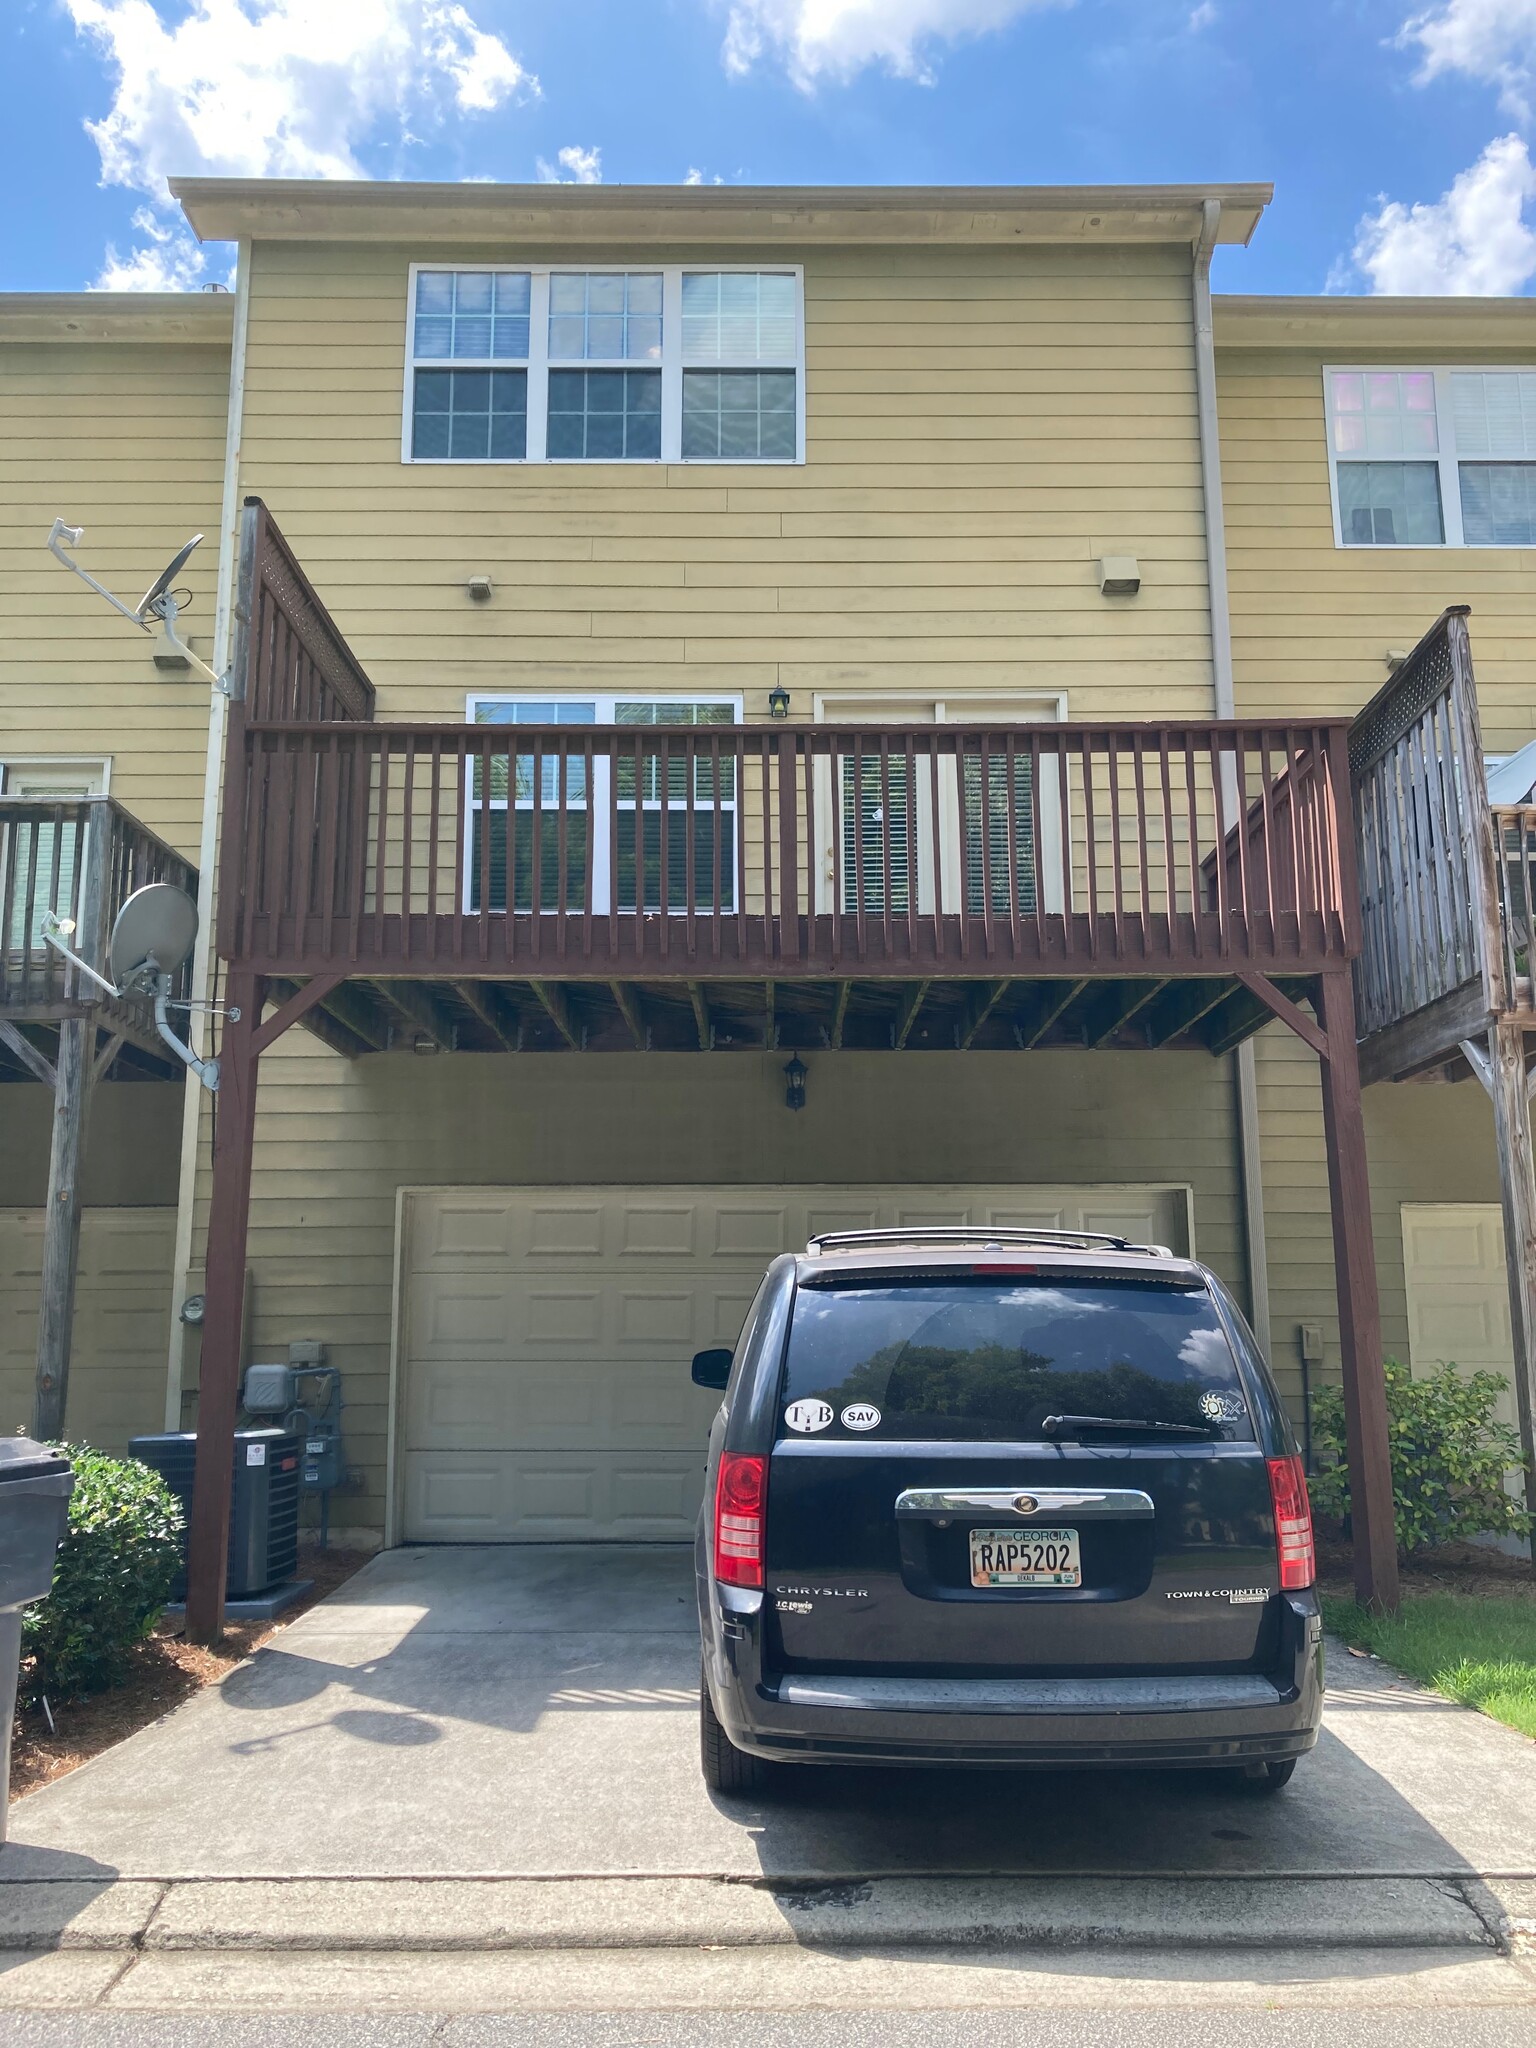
157,922
168,575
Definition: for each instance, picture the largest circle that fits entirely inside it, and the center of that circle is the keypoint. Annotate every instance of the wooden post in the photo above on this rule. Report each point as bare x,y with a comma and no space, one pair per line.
223,1320
1354,1258
72,1077
1517,1188
61,1225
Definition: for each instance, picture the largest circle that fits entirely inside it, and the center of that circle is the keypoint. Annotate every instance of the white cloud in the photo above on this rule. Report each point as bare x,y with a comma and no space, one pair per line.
170,260
278,89
697,177
816,39
1474,240
1202,16
576,166
1493,41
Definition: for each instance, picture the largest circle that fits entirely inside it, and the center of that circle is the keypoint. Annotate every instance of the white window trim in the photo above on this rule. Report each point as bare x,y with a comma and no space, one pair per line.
597,797
537,365
1447,461
95,767
964,707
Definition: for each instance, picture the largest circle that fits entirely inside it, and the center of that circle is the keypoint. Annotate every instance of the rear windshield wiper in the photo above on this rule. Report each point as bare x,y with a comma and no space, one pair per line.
1070,1425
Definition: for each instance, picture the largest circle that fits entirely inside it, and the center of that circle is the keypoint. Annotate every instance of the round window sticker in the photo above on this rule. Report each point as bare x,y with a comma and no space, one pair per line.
860,1416
1223,1407
808,1416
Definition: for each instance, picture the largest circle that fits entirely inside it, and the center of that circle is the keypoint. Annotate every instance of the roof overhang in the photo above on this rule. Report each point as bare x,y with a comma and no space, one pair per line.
207,318
1365,327
681,216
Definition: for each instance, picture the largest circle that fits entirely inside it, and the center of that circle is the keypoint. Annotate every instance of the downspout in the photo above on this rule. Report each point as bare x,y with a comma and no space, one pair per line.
193,1097
1245,1080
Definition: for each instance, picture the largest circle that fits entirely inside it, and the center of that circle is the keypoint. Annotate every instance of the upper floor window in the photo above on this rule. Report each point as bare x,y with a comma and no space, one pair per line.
560,364
1433,458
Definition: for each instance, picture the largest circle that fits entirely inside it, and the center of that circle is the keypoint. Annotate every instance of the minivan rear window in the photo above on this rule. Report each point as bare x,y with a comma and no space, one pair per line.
972,1360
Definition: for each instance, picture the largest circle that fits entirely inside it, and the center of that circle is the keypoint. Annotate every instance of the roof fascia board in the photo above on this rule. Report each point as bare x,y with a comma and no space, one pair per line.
1366,326
205,319
226,209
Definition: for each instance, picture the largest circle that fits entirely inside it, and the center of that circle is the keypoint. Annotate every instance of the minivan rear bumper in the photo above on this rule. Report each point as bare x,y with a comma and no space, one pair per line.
1192,1719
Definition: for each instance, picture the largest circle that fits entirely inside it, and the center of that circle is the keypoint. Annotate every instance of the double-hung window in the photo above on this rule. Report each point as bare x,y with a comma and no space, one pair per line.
656,363
650,835
1432,457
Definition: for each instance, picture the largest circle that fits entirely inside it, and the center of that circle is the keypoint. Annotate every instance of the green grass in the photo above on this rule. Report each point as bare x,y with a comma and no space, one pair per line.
1481,1652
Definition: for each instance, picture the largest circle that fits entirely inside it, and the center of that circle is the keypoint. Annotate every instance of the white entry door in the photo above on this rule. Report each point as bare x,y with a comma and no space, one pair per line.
547,1334
1458,1290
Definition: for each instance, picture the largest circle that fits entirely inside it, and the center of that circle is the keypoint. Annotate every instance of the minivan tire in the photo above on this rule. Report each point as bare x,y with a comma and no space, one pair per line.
726,1768
1267,1778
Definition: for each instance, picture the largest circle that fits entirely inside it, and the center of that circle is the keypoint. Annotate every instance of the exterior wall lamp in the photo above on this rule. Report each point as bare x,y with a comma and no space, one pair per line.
778,701
794,1082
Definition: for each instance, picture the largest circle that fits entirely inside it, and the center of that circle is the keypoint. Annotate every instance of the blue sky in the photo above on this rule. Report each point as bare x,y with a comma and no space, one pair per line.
1396,131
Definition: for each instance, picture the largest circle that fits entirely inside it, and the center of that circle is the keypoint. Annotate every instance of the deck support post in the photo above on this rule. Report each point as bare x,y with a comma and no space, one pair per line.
1365,1392
74,1072
1507,1084
219,1382
61,1225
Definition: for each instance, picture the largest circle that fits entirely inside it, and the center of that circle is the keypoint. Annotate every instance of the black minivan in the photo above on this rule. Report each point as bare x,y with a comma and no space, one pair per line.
1002,1497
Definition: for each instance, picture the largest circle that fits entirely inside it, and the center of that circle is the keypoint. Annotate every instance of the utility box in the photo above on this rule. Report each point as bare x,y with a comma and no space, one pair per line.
264,1502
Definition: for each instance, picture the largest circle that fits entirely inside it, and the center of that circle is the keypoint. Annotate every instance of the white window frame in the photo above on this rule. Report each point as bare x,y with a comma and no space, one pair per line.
537,364
93,768
959,707
604,703
1447,460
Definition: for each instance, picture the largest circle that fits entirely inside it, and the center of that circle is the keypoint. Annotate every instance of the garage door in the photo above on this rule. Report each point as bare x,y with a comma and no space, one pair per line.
547,1336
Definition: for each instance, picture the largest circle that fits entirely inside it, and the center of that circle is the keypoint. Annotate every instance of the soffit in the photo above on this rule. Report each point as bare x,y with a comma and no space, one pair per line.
227,209
1365,327
207,318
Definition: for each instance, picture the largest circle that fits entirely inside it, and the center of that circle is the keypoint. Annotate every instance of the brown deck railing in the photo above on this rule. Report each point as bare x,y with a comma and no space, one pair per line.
782,851
1514,835
79,858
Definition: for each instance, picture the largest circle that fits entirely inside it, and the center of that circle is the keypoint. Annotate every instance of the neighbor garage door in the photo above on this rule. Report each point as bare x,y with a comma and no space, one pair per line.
547,1336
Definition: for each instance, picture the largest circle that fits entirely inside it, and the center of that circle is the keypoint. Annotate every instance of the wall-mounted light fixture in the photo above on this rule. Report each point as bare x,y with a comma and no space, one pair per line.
778,701
480,589
794,1082
424,1044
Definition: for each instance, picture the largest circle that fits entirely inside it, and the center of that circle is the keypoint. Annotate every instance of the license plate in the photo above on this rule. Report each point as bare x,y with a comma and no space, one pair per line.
1025,1557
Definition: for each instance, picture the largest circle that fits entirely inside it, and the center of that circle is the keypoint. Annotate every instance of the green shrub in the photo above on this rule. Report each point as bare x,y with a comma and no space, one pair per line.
1449,1457
119,1557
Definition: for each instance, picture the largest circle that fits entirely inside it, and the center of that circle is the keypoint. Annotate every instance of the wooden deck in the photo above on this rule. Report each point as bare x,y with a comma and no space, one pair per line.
1448,900
80,858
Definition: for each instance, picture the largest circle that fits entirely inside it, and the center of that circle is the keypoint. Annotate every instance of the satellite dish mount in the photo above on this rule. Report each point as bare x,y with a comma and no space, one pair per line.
154,932
158,602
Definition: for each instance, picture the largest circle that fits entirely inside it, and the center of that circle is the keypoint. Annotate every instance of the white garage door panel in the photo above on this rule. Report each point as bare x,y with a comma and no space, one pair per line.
547,1336
556,1497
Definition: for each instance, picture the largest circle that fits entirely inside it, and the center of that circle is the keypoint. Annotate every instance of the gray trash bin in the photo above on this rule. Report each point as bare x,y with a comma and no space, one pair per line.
35,1485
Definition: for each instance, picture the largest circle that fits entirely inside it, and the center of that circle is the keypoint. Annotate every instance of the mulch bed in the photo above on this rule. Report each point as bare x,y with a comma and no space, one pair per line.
162,1673
1460,1568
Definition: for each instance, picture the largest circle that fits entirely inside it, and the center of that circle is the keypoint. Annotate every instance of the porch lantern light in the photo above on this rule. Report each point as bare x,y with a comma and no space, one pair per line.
794,1082
778,701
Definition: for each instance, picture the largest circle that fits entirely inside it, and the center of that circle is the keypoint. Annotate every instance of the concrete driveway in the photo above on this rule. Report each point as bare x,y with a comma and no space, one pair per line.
532,1712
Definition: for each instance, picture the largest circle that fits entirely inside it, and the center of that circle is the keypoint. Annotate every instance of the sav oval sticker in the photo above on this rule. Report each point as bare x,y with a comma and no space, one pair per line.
808,1416
860,1415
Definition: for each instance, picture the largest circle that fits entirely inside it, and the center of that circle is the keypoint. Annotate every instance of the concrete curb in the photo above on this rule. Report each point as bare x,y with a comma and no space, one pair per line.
451,1914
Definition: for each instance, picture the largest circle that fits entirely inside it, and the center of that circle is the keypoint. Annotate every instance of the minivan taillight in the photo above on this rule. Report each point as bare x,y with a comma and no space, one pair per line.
739,1487
1293,1524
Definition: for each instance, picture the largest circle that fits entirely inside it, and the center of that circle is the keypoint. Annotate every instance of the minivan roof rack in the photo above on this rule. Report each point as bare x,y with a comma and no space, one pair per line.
1002,1235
